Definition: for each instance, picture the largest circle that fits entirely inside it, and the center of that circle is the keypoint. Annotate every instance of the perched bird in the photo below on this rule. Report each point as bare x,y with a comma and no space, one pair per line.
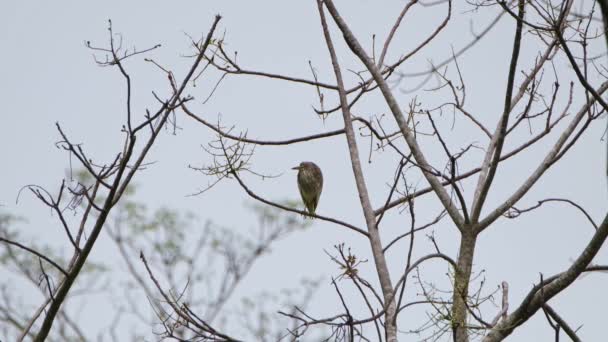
310,183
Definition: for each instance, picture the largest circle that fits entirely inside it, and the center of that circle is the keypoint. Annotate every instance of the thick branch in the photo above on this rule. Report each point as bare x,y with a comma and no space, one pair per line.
368,212
542,294
462,278
354,45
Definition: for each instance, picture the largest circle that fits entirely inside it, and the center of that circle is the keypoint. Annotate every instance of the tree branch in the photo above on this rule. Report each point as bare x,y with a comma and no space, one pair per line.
544,292
354,45
490,163
368,212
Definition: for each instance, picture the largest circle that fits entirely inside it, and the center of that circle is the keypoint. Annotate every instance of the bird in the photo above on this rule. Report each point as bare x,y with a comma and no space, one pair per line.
310,184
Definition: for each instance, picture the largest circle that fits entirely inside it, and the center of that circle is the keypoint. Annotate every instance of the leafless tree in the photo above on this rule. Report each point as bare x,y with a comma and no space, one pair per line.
538,112
204,268
557,31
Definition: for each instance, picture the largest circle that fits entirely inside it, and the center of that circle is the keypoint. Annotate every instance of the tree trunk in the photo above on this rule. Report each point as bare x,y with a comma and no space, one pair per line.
461,285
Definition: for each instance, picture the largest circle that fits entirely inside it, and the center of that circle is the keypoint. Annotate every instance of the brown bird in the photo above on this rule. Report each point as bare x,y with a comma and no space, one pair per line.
310,183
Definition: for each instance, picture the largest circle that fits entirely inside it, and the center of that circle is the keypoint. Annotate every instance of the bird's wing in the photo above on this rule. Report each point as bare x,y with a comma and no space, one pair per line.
319,177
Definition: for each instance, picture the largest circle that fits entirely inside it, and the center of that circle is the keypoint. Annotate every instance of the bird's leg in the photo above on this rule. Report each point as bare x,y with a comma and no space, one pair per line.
306,215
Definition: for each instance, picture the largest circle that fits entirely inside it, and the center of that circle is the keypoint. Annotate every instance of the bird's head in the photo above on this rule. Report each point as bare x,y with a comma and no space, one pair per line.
303,165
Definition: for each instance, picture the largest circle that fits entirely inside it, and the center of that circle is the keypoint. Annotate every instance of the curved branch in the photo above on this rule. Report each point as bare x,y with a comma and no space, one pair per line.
395,240
541,202
301,212
393,31
542,293
412,267
459,52
38,254
260,142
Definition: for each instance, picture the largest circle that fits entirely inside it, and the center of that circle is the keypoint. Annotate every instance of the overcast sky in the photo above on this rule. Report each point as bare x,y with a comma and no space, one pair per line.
47,75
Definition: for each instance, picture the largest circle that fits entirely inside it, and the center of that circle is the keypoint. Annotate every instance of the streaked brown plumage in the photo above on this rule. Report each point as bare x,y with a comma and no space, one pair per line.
310,183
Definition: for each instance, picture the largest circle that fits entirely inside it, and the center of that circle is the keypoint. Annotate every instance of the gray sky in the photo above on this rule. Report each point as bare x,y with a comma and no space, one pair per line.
47,75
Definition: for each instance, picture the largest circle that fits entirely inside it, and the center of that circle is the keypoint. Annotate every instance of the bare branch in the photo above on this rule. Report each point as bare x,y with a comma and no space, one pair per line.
398,115
38,254
542,293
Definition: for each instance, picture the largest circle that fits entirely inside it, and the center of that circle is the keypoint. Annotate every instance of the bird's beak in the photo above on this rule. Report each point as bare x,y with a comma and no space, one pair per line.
295,168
